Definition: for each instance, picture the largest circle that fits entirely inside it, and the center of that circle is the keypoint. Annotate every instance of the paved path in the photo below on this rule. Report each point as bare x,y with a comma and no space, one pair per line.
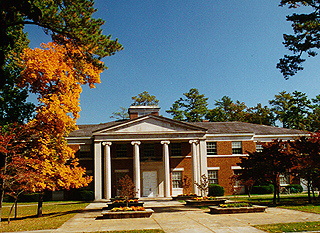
174,217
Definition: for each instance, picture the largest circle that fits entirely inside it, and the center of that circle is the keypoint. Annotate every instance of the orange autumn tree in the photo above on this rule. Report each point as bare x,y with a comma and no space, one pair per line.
55,74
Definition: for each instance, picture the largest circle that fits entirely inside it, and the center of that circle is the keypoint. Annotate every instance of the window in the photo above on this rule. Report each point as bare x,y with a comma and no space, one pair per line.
211,148
237,172
175,149
213,176
176,179
236,148
121,150
284,179
259,147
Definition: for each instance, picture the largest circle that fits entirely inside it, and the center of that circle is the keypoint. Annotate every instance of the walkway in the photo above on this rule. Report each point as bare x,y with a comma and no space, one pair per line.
174,217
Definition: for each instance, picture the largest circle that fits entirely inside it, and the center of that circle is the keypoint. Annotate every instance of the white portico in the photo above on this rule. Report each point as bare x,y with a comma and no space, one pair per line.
148,161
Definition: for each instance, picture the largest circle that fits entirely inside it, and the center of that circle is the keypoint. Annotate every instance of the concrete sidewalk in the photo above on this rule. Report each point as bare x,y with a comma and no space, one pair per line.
174,217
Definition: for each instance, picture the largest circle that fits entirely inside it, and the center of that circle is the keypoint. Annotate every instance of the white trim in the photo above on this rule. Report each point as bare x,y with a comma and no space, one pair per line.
231,135
236,167
121,170
178,169
213,168
223,156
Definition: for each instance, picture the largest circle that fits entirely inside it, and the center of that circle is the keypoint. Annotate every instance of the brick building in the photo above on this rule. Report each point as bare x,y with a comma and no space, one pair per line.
166,157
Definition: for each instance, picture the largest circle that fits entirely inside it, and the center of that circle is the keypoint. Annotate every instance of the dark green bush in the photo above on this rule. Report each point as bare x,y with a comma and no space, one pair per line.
80,195
262,189
295,188
215,190
86,195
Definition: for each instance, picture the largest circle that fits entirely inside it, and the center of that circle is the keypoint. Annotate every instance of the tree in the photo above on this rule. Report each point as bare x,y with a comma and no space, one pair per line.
144,99
122,114
307,160
227,110
13,100
260,115
292,109
192,108
306,37
58,86
314,116
275,159
67,22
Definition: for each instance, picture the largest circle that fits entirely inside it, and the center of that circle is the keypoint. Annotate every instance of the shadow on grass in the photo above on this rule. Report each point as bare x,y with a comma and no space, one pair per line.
285,201
54,214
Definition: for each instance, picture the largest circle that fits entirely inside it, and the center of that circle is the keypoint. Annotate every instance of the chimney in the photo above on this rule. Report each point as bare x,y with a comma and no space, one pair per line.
137,111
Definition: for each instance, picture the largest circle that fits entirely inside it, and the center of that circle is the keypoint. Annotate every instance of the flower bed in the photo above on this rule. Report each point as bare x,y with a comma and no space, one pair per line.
127,212
205,201
235,208
124,203
185,196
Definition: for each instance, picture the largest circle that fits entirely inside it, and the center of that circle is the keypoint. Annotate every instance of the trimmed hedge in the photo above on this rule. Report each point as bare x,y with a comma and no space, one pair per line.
262,189
215,190
295,188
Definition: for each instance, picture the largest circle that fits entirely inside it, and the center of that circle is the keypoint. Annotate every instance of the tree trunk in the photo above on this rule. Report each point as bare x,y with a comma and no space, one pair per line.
16,209
40,202
275,191
1,202
309,191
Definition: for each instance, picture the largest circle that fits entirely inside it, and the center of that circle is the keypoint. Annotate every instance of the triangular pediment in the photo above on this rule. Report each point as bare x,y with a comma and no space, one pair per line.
151,124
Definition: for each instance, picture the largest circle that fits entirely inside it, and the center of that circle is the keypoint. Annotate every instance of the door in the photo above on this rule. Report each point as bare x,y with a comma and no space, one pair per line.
150,187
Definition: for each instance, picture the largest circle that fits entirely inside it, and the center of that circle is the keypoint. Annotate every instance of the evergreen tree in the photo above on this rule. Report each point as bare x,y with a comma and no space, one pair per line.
144,99
191,108
305,40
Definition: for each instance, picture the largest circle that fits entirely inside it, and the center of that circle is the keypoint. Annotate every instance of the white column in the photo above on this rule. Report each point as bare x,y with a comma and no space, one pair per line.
136,167
97,171
203,157
166,164
195,178
107,170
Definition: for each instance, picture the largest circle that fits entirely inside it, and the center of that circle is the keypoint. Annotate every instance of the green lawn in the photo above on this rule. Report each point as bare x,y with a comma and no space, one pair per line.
295,202
54,215
290,227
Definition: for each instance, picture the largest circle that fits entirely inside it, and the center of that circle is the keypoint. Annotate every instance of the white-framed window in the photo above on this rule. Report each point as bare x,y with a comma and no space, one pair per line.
211,148
236,147
284,179
259,147
213,176
177,179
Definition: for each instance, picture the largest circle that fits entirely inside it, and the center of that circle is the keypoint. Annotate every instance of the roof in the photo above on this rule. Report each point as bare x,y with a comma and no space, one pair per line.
210,127
243,127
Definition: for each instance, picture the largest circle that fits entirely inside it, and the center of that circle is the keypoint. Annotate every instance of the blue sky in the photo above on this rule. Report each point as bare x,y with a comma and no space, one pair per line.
219,47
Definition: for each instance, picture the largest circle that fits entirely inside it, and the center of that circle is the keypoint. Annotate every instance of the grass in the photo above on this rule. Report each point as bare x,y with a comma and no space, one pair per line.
54,215
290,227
297,202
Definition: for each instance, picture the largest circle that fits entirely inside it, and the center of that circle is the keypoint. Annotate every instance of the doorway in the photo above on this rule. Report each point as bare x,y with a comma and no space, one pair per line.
150,184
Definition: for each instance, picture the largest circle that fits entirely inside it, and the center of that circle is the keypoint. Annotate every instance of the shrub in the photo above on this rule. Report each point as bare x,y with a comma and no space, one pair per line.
262,189
295,188
86,195
215,190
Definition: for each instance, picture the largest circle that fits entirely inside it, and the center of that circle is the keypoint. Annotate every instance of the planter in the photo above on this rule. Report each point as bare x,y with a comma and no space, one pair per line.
205,202
123,204
126,214
183,197
236,210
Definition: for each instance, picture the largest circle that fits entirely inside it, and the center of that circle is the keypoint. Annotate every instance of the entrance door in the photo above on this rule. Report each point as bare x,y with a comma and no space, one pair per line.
150,188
